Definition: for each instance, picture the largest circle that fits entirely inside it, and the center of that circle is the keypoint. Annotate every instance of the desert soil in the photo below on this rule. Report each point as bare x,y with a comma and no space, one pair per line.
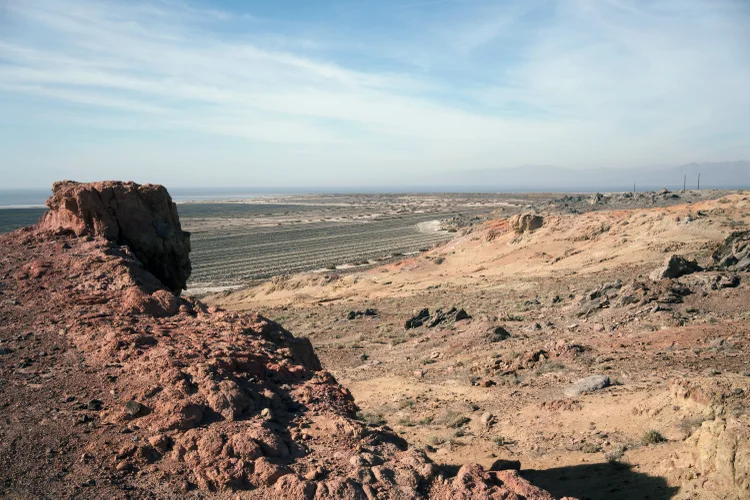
576,299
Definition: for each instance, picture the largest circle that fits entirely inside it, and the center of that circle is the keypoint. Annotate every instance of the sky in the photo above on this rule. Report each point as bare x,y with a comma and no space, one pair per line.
363,92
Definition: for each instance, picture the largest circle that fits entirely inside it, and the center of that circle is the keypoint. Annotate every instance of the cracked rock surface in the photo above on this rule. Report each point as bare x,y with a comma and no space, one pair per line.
143,217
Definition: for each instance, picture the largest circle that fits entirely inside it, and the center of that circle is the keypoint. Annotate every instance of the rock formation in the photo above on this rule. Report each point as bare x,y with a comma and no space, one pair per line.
674,267
526,223
723,454
123,390
734,254
143,217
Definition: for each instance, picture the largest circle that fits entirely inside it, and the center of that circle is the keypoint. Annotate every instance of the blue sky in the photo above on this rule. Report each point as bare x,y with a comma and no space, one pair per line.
343,92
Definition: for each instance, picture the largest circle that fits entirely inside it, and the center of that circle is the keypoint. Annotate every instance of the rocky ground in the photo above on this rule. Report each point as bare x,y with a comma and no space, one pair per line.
604,354
114,386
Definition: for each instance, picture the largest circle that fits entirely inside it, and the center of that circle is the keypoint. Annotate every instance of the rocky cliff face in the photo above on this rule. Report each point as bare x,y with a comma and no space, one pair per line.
142,217
121,389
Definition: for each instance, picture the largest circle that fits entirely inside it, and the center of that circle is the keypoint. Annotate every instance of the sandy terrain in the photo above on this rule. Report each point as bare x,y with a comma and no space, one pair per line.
112,385
576,299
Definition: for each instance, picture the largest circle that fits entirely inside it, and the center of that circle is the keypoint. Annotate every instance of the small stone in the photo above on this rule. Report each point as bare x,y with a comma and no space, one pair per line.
314,474
497,334
717,343
488,419
83,419
266,413
94,405
160,442
486,382
133,408
434,355
461,314
123,466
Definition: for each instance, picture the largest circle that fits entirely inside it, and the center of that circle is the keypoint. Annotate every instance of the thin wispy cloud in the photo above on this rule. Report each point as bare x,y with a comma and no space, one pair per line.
353,94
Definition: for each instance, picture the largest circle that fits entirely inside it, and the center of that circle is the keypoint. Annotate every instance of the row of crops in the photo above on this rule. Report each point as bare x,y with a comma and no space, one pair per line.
241,254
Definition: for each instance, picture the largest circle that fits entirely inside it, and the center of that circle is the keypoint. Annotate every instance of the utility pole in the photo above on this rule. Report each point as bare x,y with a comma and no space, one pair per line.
699,182
634,188
684,183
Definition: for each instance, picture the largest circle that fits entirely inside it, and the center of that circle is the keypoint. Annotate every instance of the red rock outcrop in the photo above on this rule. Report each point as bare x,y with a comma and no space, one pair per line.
143,217
113,387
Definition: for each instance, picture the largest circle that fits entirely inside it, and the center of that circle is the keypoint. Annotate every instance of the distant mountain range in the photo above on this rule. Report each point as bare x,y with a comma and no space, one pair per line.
728,175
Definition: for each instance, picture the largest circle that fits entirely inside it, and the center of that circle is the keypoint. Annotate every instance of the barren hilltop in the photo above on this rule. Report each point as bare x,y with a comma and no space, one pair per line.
115,386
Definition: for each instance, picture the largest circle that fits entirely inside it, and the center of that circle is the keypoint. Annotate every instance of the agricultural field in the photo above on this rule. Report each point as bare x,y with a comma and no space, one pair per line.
240,243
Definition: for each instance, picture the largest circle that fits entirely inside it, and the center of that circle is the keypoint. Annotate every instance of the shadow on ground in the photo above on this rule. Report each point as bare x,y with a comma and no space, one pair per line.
602,481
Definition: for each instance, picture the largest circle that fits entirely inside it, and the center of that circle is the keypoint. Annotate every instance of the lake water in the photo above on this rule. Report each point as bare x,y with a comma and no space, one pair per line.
35,198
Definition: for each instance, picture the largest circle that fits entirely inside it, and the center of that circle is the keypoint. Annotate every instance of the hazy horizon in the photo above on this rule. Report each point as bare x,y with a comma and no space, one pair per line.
527,179
337,94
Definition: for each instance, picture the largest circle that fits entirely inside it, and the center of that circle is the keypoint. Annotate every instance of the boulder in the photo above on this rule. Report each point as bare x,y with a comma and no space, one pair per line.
497,334
418,319
674,267
143,217
525,223
586,385
734,253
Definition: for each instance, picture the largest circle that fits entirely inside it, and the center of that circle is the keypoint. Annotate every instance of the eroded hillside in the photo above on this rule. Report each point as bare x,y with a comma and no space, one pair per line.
113,386
586,355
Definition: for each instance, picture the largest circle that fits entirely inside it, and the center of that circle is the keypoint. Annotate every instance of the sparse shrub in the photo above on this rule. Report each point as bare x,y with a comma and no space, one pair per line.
371,418
435,440
689,425
459,422
652,437
407,403
426,420
550,367
453,419
406,422
614,456
499,440
398,340
439,260
590,448
459,433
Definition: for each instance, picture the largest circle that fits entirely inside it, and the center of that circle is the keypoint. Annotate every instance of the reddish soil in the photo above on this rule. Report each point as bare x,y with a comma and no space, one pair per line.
111,386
